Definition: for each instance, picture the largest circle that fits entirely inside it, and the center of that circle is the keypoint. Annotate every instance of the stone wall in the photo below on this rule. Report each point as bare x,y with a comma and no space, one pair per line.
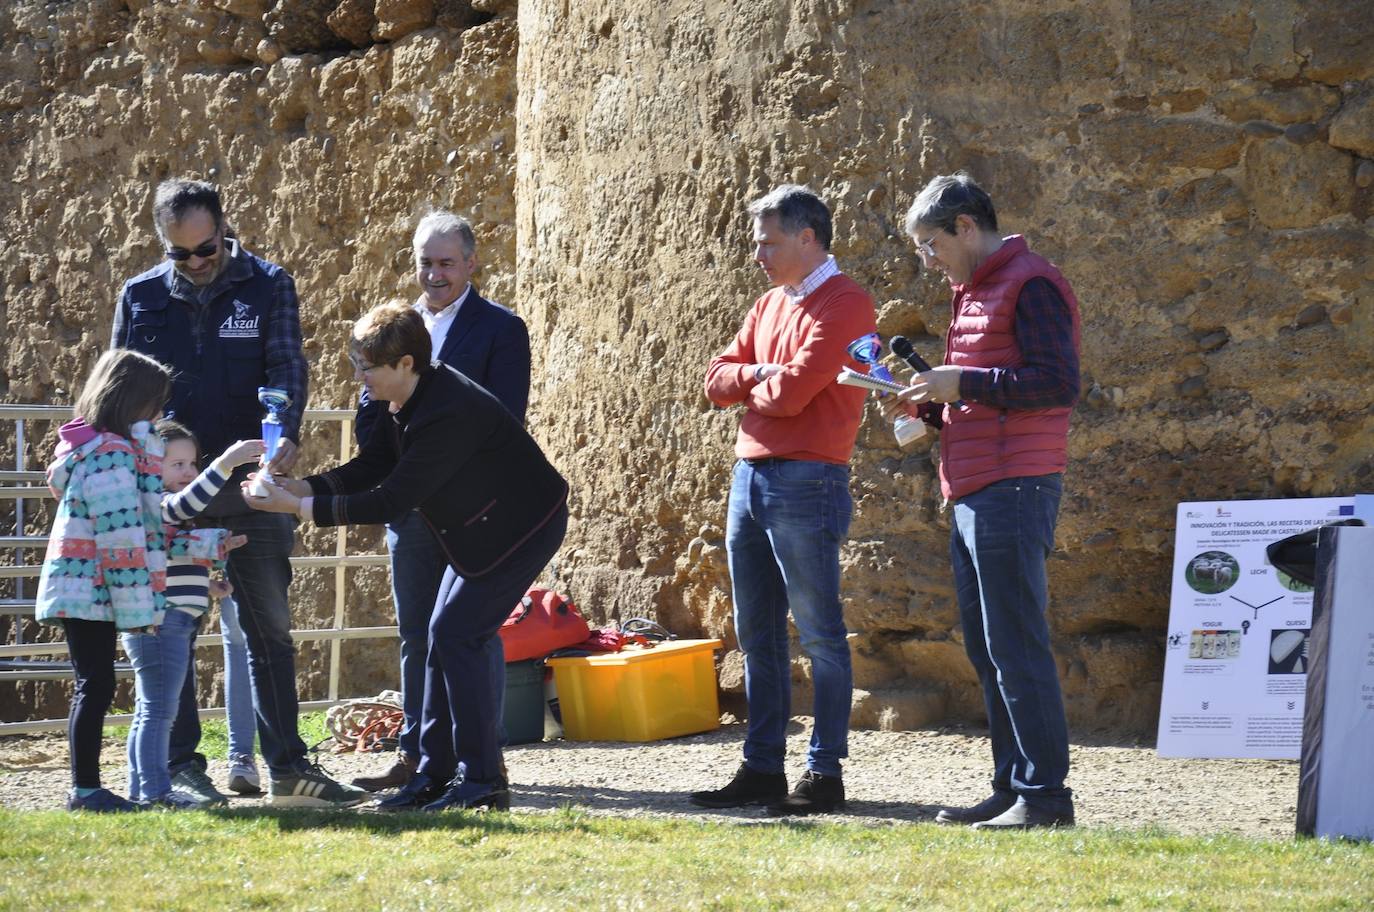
1200,171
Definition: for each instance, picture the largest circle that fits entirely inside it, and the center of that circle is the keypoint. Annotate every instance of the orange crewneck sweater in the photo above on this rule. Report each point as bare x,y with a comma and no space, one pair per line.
800,413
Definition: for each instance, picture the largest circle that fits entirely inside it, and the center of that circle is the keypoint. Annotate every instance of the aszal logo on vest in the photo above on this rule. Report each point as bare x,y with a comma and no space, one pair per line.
238,325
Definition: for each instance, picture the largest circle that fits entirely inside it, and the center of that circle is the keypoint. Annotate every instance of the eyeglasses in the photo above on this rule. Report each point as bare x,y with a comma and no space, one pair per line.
180,254
924,246
361,366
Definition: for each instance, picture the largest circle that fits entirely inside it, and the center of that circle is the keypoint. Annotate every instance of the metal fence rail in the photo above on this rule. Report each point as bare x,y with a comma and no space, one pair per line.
21,661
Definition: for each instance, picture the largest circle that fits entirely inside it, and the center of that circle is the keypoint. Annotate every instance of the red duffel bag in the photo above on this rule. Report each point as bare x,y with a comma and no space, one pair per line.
544,621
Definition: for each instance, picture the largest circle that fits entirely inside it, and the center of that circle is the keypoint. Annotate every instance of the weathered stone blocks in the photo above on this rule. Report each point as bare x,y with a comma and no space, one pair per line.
1353,126
1297,186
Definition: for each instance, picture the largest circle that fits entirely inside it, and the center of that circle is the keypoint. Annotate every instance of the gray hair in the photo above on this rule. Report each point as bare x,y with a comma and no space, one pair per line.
443,222
797,208
945,199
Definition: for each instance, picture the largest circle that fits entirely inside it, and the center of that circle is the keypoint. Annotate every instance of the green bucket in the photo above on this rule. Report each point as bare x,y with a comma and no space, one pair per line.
524,717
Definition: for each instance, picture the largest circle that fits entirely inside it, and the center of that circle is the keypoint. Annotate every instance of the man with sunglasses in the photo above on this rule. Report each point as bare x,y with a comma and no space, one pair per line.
1011,356
228,322
789,505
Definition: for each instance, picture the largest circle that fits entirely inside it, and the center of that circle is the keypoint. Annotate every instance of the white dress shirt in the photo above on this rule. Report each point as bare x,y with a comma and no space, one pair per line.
440,323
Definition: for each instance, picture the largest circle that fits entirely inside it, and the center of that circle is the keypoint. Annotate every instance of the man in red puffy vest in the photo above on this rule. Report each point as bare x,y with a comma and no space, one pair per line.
1009,381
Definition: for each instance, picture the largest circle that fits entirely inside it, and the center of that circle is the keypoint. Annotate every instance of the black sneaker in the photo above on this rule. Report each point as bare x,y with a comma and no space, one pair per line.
173,801
312,787
814,794
992,806
193,782
747,788
101,801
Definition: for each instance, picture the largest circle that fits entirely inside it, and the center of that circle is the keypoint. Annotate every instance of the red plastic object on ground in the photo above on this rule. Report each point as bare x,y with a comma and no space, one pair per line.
543,622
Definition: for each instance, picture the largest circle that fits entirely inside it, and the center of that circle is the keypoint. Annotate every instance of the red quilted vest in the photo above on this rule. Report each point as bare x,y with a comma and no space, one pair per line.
981,444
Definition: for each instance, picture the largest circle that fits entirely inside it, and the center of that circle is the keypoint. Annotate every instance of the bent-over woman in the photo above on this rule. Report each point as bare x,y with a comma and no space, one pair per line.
495,505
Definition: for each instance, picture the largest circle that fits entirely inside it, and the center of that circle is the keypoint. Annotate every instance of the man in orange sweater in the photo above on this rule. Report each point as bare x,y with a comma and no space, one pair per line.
789,501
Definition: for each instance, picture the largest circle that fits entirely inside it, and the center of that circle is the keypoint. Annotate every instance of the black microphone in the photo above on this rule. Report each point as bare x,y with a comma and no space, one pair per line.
902,348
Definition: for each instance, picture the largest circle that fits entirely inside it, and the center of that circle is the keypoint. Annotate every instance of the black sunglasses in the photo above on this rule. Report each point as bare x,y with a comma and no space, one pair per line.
208,249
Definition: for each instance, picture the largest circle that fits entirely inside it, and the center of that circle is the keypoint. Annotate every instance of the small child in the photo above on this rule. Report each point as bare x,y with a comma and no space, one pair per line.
162,655
104,570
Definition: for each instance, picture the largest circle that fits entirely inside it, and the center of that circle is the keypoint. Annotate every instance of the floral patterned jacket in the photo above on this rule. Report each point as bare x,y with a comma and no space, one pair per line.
107,555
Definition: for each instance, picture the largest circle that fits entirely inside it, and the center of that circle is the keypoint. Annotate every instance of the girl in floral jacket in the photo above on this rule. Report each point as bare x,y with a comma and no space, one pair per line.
105,568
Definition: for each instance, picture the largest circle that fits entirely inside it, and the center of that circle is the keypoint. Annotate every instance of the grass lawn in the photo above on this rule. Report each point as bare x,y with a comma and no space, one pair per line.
249,859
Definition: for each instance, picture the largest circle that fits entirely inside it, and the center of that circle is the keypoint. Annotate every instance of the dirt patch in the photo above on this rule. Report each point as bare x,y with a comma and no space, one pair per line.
891,777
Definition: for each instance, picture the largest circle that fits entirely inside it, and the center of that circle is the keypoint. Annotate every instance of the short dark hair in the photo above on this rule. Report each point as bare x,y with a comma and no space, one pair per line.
389,332
171,431
945,199
177,197
797,208
125,386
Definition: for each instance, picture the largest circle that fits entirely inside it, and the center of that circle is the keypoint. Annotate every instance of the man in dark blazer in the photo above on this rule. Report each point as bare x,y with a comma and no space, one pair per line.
489,345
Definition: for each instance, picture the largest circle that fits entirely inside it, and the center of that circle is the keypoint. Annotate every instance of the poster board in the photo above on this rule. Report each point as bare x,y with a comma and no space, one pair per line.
1235,666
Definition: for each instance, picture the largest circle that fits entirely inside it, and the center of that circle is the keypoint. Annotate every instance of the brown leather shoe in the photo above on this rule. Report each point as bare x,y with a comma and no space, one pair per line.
396,777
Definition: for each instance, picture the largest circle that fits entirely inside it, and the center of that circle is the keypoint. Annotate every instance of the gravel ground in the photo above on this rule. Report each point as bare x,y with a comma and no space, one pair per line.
891,777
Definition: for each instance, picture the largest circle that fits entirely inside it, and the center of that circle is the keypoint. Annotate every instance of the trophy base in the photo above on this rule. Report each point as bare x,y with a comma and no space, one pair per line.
260,484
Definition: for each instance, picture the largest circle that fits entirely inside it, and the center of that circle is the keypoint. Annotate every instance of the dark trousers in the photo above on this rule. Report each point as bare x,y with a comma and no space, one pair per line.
92,647
460,727
417,572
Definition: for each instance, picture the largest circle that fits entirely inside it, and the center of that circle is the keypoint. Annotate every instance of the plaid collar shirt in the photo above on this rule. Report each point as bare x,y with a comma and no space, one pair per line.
817,278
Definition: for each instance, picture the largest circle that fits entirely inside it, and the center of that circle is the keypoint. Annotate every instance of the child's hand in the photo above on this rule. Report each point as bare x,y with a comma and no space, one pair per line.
235,541
221,588
244,451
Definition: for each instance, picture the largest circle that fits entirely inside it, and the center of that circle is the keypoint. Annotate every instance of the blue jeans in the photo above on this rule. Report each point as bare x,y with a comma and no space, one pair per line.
786,522
417,569
238,685
261,574
1001,537
159,661
460,733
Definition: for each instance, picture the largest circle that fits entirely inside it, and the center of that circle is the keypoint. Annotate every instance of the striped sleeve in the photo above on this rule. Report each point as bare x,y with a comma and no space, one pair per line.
195,497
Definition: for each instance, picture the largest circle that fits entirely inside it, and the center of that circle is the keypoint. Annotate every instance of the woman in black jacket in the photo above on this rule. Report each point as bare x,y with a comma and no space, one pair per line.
498,510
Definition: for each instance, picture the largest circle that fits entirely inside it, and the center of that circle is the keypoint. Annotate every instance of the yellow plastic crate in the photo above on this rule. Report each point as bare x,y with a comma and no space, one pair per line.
639,694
